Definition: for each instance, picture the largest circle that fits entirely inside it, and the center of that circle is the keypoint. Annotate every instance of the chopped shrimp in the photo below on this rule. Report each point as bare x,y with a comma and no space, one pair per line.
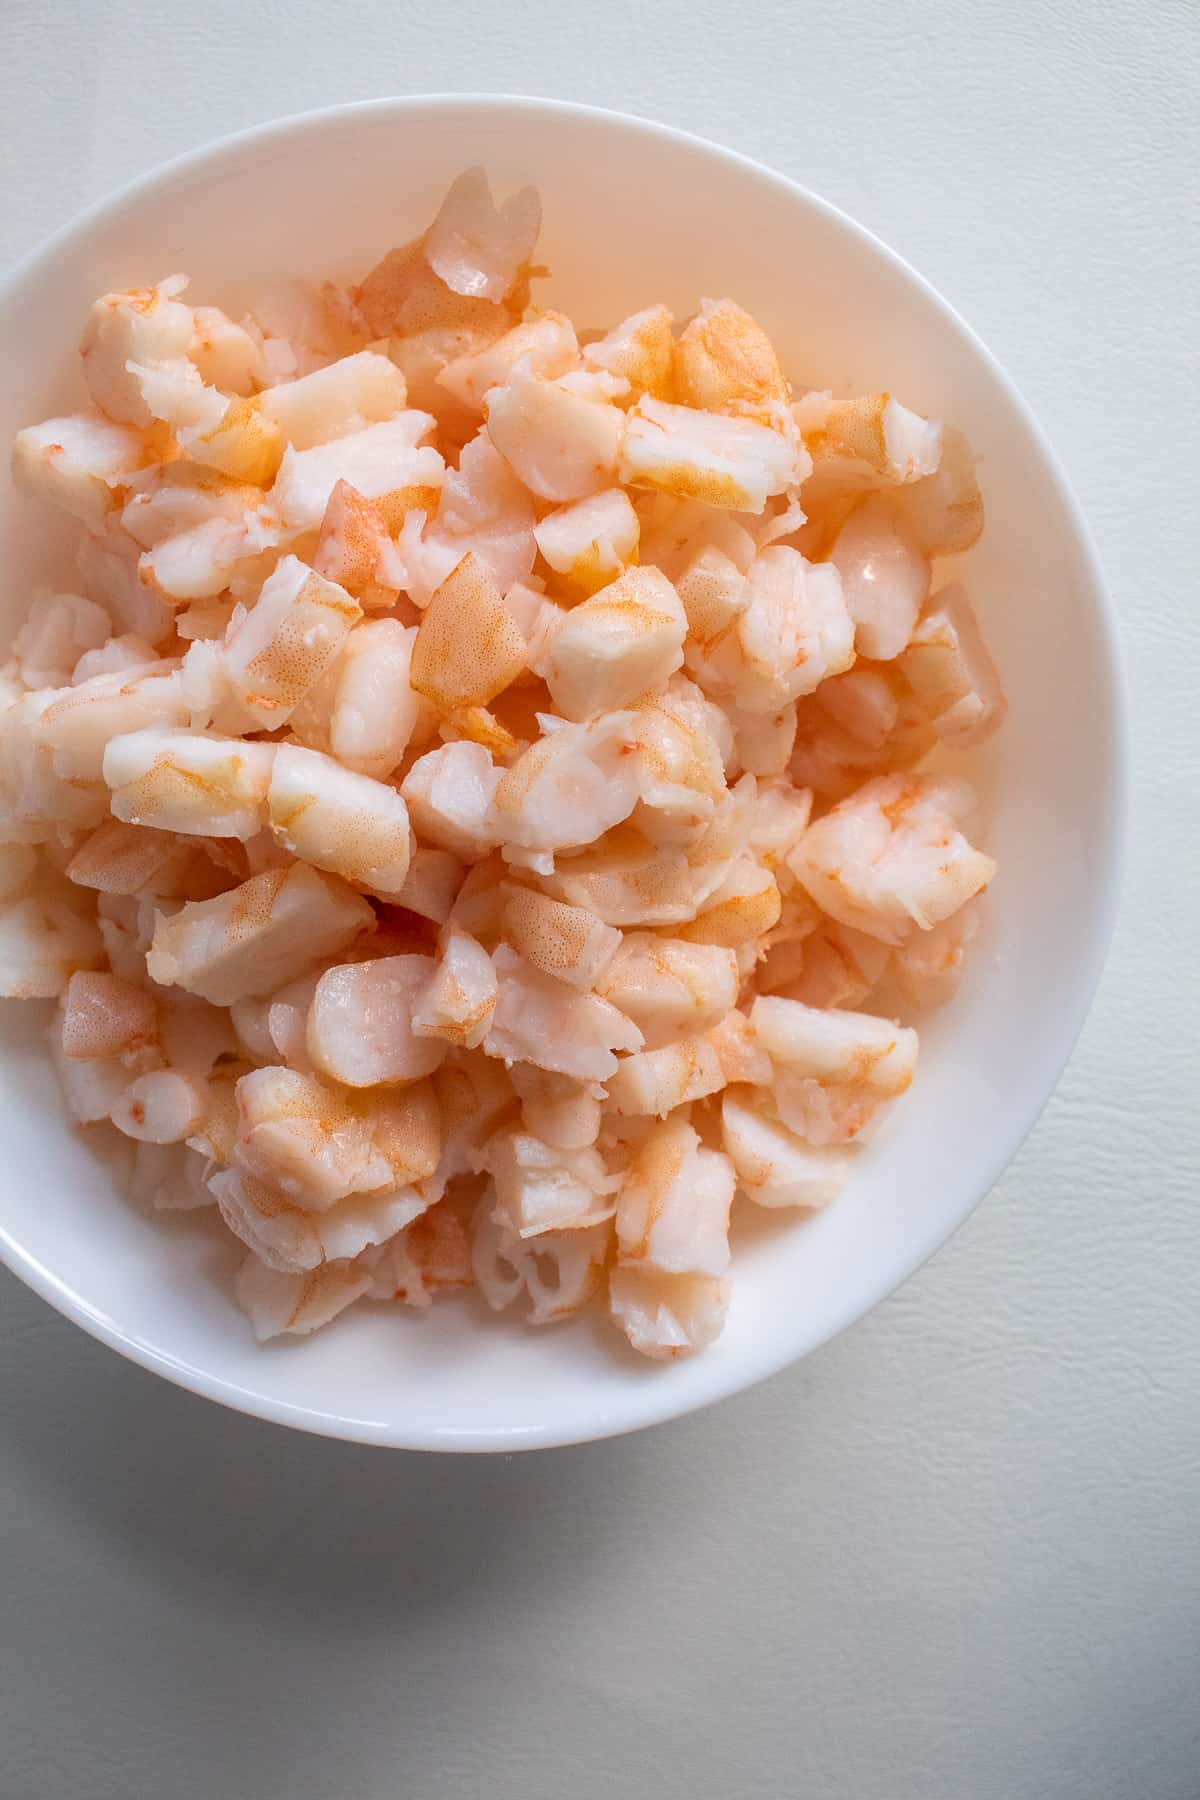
59,630
544,345
477,247
375,710
459,999
79,464
387,462
892,857
541,1187
336,401
277,651
724,361
408,803
885,578
259,935
543,1021
623,642
673,1209
951,672
560,445
360,1026
468,646
639,350
591,541
145,326
567,942
665,1316
350,824
450,794
705,456
189,781
794,632
773,1166
276,1303
670,988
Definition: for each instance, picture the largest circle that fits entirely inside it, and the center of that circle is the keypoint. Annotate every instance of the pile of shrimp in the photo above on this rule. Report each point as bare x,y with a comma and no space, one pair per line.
469,794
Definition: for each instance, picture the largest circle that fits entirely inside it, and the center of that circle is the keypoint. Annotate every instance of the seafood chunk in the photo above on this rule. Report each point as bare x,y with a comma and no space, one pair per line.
542,1187
450,792
275,653
459,999
545,1022
349,824
334,402
624,641
724,361
143,325
949,669
360,1026
705,456
590,541
665,1316
673,1211
477,247
468,647
774,1167
885,579
561,445
78,463
567,942
189,781
669,988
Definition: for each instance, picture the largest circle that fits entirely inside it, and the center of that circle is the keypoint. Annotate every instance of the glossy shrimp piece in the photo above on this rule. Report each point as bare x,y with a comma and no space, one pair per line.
773,1166
196,783
558,1109
542,1187
559,1272
375,710
355,549
458,1001
450,793
544,345
567,942
293,1240
706,456
673,1209
666,1316
624,642
832,1070
543,1021
304,1139
561,445
724,361
141,326
951,672
59,630
476,247
79,464
639,351
885,578
468,646
104,1016
570,787
590,542
348,824
336,401
891,857
388,462
794,632
278,1303
361,1022
278,650
670,988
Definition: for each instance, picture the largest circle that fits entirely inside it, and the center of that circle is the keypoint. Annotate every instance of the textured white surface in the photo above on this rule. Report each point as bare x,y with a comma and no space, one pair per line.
954,1553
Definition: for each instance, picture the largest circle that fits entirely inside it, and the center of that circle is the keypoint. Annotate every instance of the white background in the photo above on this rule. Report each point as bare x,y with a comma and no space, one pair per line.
955,1555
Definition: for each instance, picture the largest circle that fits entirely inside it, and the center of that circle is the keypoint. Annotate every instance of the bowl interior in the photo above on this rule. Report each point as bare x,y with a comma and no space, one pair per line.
633,214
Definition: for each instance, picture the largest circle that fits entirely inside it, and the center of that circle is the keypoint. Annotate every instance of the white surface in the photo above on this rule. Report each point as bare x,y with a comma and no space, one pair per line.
461,1379
954,1553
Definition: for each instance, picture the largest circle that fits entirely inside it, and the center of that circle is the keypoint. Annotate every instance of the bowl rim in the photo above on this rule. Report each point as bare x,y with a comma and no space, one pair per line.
723,1381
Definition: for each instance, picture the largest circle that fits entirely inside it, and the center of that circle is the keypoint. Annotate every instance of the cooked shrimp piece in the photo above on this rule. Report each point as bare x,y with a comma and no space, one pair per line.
724,361
638,350
189,781
543,1021
124,655
780,821
714,592
305,1140
91,1086
773,1166
561,445
891,856
591,541
628,879
556,1108
794,633
929,967
739,911
504,1267
459,999
831,1069
682,745
951,672
432,883
108,571
665,1316
567,942
885,578
764,741
293,633
163,1106
375,710
479,248
80,721
670,988
838,967
79,464
542,1187
406,1129
360,1026
336,401
835,762
657,1081
706,456
570,787
104,1016
943,513
673,1210
199,563
257,936
450,793
35,801
143,325
293,1241
675,532
624,641
544,345
388,462
330,817
468,646
225,354
59,630
355,549
875,439
276,1303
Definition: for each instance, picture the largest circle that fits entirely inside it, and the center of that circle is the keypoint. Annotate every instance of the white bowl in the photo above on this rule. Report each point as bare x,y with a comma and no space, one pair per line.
633,213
